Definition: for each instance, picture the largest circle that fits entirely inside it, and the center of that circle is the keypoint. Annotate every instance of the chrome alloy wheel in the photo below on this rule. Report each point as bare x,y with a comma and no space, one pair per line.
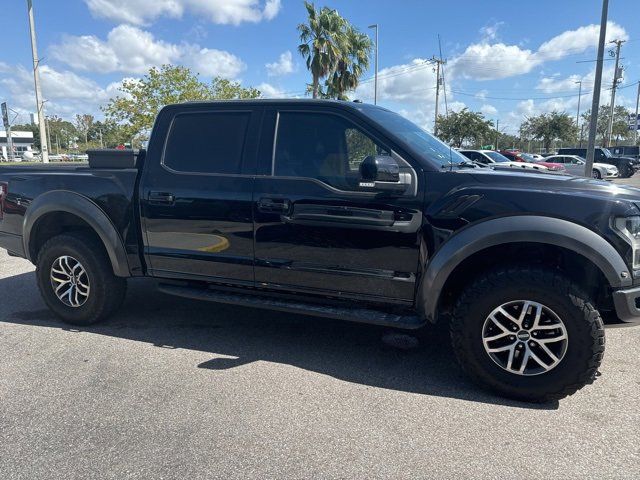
525,337
70,281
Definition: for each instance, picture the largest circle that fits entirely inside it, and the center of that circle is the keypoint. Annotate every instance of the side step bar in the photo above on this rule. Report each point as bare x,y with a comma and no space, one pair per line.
361,315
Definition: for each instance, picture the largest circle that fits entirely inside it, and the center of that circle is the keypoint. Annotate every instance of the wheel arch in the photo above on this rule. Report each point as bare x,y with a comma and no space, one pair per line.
63,202
530,229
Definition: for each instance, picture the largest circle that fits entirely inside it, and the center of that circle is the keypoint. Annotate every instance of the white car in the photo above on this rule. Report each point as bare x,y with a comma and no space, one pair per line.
575,166
536,157
495,159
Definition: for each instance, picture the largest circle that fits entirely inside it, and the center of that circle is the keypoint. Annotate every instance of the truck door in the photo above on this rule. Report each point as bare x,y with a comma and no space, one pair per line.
196,194
316,230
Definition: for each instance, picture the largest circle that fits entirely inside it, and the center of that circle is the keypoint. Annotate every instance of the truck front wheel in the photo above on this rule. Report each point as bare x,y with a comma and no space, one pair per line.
528,333
76,280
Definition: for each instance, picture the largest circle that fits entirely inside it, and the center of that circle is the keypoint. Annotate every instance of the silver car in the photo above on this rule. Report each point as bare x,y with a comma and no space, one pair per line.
575,166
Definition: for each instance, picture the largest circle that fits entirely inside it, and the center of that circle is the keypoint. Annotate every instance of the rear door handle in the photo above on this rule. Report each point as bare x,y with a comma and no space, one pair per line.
274,205
161,198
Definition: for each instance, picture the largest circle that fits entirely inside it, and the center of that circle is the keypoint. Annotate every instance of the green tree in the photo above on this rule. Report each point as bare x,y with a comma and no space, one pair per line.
355,48
141,100
550,127
83,124
464,127
620,130
322,43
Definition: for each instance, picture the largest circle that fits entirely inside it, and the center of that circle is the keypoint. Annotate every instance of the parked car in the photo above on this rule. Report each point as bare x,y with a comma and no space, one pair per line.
340,210
494,159
626,166
627,151
516,156
575,166
536,157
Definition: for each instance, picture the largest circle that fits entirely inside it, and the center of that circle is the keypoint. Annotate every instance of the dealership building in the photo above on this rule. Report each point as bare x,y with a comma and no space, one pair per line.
22,142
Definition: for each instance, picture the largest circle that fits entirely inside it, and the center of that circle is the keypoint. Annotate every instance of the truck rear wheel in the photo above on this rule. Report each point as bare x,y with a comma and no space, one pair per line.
528,333
76,280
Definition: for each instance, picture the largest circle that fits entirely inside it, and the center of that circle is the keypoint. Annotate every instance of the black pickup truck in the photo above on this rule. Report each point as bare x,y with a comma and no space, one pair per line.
340,210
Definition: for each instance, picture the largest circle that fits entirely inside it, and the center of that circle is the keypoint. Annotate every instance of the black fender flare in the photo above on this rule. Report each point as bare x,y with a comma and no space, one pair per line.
514,229
82,207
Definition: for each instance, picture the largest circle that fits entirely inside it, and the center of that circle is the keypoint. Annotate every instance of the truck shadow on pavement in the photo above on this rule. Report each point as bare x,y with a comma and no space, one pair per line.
346,351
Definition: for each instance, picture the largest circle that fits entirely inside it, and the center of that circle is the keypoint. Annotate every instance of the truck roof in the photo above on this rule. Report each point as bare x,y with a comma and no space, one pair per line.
356,105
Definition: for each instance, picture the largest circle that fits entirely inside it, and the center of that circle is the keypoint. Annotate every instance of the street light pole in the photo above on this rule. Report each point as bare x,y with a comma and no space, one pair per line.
595,103
635,136
36,78
375,82
579,98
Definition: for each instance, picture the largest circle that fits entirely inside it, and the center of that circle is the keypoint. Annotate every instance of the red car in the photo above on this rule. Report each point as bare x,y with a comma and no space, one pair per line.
516,156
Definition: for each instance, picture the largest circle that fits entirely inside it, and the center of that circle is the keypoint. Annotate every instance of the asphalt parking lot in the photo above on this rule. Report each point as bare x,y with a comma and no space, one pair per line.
173,388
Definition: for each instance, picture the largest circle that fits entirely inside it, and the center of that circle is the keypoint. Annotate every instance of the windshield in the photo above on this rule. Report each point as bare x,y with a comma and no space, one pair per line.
419,140
528,157
606,152
496,157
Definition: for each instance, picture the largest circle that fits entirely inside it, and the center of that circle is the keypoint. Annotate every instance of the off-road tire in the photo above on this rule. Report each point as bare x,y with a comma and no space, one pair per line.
107,291
585,330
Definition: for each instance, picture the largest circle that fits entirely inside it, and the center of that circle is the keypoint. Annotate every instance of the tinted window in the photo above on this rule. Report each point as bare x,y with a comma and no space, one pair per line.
415,137
321,146
496,157
207,142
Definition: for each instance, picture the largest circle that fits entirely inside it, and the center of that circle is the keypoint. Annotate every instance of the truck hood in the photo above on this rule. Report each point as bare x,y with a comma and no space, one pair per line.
558,184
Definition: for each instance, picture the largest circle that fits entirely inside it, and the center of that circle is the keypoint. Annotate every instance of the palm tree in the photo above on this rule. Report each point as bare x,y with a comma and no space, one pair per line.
355,48
321,42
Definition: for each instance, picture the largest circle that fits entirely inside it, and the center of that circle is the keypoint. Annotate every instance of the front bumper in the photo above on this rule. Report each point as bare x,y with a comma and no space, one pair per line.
612,174
627,305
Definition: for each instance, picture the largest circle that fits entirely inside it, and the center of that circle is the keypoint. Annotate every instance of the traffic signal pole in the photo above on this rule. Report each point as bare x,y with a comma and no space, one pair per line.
36,79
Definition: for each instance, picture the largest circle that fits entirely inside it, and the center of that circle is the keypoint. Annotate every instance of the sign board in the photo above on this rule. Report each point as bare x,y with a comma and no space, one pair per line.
5,115
634,125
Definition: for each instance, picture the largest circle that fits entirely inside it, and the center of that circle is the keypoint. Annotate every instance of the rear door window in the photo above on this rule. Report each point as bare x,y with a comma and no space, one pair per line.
207,142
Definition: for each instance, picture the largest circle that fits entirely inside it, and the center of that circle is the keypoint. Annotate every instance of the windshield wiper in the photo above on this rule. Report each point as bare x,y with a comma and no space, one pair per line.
468,164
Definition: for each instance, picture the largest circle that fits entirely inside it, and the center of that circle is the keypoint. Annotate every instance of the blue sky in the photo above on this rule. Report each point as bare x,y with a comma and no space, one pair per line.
508,59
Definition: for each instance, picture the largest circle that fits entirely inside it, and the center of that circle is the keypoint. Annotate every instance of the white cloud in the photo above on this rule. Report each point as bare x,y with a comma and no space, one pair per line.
283,66
132,50
556,84
490,32
489,61
407,82
488,110
65,92
141,12
269,91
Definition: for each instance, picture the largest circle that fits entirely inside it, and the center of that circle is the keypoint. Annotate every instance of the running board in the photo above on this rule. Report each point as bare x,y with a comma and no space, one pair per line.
361,315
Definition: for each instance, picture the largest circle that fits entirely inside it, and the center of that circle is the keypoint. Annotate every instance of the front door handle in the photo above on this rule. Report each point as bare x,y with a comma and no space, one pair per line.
274,205
161,198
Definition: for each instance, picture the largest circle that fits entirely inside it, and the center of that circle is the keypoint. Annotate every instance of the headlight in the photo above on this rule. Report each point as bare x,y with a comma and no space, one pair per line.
629,229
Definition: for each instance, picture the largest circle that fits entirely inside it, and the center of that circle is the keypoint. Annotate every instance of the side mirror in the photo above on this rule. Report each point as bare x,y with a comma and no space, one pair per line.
381,172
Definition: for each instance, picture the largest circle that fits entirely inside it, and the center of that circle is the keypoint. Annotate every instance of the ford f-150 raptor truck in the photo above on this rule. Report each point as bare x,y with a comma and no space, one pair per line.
340,210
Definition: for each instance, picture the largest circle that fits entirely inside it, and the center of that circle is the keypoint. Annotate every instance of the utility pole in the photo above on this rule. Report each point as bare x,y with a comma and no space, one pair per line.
616,77
36,78
595,103
438,62
635,136
375,82
497,132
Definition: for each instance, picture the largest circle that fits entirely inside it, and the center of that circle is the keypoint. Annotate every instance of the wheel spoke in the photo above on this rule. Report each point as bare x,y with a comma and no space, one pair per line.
508,315
523,313
549,352
504,333
512,354
525,360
